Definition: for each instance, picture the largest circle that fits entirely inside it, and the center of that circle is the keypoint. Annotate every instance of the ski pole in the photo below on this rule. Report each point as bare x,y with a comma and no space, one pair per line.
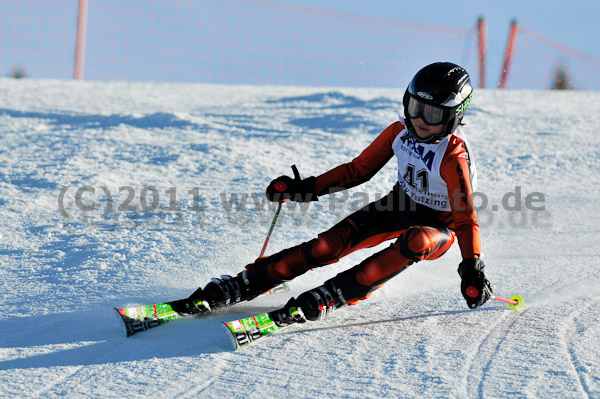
515,301
264,248
281,187
283,286
499,298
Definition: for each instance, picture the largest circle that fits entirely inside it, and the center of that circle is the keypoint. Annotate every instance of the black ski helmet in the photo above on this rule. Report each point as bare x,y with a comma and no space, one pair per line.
446,88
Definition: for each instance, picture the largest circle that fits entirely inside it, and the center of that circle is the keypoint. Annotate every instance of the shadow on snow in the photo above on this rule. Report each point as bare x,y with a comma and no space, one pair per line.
98,337
159,120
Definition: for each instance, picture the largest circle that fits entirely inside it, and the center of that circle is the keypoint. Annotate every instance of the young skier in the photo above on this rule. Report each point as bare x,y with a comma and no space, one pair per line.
426,210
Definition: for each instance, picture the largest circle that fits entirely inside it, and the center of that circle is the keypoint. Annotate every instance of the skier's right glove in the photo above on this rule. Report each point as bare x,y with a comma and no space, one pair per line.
476,289
296,189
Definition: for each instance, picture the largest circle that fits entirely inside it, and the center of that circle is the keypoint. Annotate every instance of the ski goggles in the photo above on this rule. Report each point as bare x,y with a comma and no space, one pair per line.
430,114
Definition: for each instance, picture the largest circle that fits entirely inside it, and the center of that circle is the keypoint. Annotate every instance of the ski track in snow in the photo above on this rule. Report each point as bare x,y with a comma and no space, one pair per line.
63,269
574,328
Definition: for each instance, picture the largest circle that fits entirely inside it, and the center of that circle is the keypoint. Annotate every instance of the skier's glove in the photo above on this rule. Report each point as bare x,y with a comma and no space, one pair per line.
476,289
296,189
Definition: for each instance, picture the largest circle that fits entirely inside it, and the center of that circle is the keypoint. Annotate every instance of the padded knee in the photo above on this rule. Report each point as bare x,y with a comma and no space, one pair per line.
422,242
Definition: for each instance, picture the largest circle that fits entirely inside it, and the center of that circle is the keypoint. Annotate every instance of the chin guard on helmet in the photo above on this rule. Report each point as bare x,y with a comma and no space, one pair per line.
438,94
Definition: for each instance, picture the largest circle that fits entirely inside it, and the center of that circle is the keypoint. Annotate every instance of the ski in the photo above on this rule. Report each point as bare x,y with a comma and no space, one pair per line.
244,331
142,318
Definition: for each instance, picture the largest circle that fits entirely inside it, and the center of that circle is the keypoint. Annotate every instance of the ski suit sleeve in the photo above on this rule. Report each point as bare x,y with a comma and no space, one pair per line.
455,171
363,167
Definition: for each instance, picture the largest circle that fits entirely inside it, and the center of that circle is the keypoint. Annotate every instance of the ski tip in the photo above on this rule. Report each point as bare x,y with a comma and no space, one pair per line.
231,335
123,318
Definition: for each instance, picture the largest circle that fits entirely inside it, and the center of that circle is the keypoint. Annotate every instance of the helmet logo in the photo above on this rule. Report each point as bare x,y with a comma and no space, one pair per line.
426,96
463,107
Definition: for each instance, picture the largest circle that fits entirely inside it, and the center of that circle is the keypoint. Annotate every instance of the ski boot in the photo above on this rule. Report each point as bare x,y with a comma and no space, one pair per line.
318,303
194,305
227,290
291,313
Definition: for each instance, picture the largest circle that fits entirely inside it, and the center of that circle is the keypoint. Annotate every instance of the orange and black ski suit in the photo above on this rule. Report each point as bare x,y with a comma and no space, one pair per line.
420,232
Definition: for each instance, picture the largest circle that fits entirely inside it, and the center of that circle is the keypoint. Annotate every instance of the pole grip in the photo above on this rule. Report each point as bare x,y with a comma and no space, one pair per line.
296,173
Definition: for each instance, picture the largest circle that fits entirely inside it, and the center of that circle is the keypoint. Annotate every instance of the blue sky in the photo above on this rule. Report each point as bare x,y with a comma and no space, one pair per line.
572,23
251,41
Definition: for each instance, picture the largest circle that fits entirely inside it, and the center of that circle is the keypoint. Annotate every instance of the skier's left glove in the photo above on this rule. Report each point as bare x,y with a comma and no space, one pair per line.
476,289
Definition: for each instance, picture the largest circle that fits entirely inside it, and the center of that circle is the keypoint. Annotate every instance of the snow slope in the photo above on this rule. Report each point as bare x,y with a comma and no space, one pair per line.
74,245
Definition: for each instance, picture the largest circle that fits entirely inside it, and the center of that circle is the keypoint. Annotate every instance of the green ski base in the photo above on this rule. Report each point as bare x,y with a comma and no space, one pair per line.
243,332
142,318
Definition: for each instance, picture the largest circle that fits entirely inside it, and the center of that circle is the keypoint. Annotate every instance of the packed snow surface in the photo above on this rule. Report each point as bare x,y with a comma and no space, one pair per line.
116,194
